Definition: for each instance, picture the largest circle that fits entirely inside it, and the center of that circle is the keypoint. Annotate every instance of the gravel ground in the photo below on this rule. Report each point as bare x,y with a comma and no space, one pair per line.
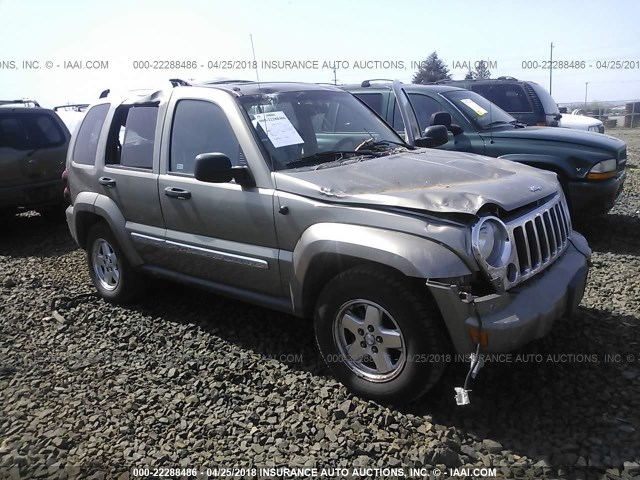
188,379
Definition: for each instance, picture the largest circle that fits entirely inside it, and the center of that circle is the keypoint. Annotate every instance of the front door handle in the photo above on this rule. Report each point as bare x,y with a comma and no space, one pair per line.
176,192
107,182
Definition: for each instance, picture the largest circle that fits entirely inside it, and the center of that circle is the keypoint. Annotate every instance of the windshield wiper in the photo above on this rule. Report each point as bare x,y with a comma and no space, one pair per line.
326,157
518,124
372,142
495,123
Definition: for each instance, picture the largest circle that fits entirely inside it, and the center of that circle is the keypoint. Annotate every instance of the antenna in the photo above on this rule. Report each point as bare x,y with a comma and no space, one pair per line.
281,208
491,117
550,67
253,50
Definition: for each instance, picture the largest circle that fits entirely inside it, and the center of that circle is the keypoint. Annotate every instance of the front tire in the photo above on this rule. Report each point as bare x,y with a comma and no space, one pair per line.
110,271
381,335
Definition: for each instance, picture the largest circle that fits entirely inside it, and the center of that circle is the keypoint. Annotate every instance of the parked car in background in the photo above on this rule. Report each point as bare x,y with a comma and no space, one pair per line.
591,167
71,114
299,198
33,148
527,101
580,122
22,103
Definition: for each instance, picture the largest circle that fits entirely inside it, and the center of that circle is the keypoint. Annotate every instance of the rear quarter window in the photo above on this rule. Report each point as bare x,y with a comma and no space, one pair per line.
86,144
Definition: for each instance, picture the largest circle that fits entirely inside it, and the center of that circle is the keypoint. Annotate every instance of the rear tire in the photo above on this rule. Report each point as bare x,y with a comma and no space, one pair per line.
110,271
381,335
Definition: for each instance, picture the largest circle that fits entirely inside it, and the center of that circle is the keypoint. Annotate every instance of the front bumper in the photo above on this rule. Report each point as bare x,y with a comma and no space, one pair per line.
595,197
522,314
32,195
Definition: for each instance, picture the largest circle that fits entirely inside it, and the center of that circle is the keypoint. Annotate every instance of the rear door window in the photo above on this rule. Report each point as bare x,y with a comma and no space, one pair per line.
132,136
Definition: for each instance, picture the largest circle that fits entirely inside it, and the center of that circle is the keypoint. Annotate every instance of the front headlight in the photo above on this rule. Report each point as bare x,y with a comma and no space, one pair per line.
603,170
594,128
491,242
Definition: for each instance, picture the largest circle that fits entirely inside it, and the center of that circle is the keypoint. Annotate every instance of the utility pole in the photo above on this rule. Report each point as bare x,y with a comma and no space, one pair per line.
550,68
335,79
586,86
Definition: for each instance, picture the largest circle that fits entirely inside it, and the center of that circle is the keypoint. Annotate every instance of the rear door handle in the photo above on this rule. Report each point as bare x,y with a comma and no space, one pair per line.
107,181
176,192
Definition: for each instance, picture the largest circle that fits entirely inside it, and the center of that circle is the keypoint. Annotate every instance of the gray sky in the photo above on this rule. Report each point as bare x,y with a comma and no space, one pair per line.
383,37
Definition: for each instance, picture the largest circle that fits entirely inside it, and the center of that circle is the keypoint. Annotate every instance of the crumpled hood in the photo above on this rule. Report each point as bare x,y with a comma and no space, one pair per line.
555,134
425,179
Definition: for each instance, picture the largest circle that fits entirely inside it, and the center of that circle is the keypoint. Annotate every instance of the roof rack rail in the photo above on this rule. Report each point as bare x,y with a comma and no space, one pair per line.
21,101
367,83
224,81
175,82
78,107
506,77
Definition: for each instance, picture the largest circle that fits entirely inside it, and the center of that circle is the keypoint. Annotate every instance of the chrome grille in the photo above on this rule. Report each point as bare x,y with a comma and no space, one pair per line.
540,237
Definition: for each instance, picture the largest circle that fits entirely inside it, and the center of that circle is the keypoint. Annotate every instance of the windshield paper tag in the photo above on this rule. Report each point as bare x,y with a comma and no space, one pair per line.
279,129
474,106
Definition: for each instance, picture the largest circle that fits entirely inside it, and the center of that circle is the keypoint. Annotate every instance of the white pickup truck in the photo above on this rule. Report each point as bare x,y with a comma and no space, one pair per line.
581,122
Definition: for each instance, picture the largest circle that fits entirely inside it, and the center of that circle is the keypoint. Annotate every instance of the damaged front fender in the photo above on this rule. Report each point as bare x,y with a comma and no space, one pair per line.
411,255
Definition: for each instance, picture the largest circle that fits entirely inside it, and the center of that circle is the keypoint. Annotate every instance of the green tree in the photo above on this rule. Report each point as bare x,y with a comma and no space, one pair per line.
469,75
482,70
431,70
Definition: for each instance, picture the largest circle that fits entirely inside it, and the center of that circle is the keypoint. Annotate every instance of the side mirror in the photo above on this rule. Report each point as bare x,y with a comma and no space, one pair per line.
216,168
441,118
444,118
455,129
434,136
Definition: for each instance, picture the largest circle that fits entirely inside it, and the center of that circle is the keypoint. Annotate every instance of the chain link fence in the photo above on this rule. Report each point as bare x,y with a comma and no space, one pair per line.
614,113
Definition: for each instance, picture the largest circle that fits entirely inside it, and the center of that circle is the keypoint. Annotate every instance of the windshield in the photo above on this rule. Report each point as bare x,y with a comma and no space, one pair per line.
303,128
480,111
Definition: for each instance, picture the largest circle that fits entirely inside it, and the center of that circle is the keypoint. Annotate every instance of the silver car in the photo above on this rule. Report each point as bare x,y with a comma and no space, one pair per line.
299,198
